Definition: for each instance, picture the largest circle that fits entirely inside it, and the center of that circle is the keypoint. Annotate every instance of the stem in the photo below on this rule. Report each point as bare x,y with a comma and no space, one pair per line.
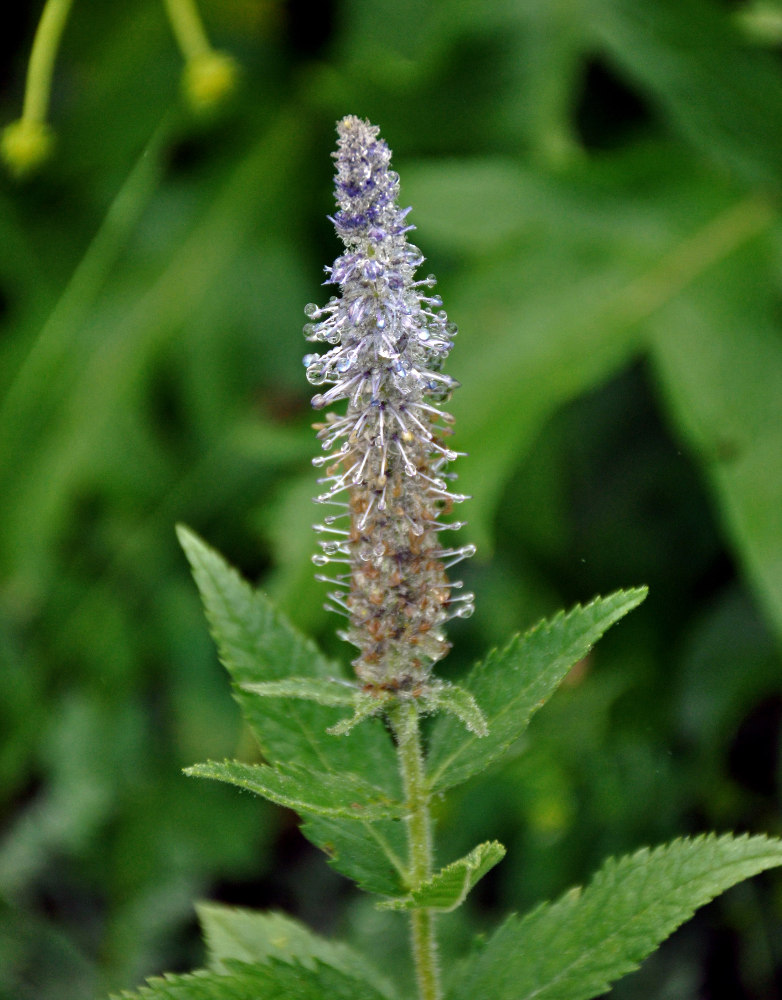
188,28
404,718
41,66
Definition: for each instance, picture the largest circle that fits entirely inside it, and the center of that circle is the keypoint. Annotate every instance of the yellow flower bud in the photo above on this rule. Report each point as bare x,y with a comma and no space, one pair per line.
208,80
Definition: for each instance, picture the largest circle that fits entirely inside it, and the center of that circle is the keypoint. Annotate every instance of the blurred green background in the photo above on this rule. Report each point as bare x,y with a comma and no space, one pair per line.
596,185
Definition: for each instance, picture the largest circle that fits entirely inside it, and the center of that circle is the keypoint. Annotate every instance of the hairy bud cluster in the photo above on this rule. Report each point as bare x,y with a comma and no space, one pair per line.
386,459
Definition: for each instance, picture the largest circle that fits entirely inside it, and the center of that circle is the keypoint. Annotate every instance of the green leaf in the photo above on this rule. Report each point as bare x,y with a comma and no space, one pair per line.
456,701
116,336
718,359
258,645
499,201
677,48
372,854
324,692
449,887
621,258
576,948
274,981
306,791
365,704
512,684
248,936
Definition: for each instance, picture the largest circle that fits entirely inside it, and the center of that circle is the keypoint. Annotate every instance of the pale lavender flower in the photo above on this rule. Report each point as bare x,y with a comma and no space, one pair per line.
386,458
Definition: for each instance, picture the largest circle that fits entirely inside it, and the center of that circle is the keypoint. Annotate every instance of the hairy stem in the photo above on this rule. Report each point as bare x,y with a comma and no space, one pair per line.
404,718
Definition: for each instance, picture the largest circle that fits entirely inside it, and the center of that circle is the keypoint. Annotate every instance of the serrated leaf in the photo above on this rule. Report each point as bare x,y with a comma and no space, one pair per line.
576,948
234,934
449,887
345,795
257,645
274,981
324,692
512,684
372,854
460,703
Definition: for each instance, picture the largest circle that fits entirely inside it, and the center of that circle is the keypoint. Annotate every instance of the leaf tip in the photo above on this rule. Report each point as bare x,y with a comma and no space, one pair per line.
185,535
202,770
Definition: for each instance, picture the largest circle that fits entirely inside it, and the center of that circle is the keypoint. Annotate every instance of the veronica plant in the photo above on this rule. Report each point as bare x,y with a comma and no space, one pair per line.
348,755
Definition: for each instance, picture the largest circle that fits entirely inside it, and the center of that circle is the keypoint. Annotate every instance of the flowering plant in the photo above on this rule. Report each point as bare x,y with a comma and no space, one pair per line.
390,346
364,780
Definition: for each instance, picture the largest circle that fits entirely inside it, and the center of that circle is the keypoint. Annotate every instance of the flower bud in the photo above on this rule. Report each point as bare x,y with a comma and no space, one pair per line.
25,145
208,80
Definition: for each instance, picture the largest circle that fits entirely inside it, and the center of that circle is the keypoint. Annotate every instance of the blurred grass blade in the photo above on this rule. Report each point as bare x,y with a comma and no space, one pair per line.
24,403
120,353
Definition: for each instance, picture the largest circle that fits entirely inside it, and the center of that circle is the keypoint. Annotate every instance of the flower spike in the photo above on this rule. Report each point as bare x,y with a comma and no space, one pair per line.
386,455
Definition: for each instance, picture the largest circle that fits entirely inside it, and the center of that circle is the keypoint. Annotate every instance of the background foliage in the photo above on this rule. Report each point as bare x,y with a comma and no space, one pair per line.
596,186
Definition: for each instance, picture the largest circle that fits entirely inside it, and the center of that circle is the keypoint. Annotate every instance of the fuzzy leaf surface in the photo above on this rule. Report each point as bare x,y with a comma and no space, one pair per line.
576,948
449,887
461,704
233,934
257,645
344,795
274,981
324,692
511,684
